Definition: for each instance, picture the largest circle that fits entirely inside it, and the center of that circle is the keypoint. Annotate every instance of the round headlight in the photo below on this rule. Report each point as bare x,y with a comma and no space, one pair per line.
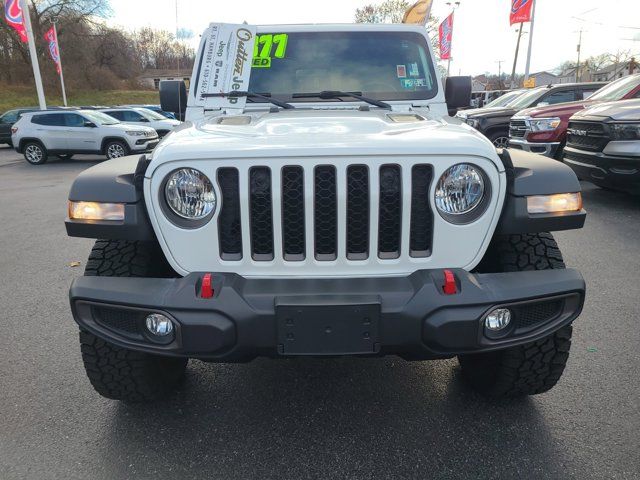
189,194
460,189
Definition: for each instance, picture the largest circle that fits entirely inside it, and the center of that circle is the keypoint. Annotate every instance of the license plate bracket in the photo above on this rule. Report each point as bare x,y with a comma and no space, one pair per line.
328,329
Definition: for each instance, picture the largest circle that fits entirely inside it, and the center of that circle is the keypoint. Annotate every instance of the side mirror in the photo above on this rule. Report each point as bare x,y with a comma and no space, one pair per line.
89,124
173,97
457,92
146,120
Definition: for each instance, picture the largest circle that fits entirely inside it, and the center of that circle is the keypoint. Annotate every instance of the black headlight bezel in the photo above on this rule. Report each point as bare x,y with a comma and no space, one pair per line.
614,128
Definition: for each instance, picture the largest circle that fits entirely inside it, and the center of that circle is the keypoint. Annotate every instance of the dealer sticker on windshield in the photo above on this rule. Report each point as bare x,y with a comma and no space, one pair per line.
268,46
226,64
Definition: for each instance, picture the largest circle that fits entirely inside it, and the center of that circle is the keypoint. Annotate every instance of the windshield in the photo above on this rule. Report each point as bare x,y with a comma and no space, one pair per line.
504,99
616,90
100,118
149,114
528,98
380,65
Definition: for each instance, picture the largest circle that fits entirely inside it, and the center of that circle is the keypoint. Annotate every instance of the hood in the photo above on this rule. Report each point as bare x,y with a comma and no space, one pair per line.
558,110
493,112
473,111
128,127
306,132
623,110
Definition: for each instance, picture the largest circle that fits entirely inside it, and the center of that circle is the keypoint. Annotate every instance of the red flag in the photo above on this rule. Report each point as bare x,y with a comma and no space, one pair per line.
13,15
446,34
520,11
52,39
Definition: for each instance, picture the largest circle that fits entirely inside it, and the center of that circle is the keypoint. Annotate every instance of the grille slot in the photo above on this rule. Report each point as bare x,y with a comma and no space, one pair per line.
293,213
357,212
123,321
261,220
421,231
531,314
390,212
229,229
325,213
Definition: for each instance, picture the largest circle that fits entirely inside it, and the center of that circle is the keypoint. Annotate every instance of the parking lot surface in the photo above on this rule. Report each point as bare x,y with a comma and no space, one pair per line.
307,418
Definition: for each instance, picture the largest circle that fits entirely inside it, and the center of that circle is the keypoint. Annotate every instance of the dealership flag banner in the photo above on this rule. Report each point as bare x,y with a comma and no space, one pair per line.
52,40
418,13
520,11
15,19
446,34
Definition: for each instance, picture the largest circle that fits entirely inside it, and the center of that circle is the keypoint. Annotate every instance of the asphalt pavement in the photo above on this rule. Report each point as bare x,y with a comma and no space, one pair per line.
307,418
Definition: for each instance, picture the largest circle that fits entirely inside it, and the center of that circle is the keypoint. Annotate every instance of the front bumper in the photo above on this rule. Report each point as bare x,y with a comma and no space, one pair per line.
548,149
615,172
247,317
144,144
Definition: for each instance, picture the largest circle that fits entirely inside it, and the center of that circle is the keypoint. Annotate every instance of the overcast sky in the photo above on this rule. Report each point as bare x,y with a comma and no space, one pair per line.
482,35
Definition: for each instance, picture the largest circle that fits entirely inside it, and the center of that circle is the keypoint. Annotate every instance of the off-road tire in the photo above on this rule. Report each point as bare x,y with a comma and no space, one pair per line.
116,372
31,158
534,367
499,139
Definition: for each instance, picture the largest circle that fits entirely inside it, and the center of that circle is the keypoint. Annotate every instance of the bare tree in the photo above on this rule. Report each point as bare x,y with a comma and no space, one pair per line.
392,11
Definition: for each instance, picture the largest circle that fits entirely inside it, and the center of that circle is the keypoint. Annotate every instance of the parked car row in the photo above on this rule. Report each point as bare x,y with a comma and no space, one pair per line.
64,132
593,127
493,122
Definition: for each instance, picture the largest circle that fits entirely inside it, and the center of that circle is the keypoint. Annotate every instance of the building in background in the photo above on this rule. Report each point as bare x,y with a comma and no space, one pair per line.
544,78
616,70
151,78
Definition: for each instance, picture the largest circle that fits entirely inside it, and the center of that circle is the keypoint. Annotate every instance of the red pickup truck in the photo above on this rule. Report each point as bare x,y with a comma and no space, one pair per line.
543,129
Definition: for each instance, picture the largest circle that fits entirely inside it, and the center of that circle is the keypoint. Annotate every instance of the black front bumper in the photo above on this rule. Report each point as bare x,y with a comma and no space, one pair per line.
618,173
410,316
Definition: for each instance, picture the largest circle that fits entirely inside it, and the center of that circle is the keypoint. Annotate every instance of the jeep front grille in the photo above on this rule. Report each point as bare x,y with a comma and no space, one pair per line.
296,198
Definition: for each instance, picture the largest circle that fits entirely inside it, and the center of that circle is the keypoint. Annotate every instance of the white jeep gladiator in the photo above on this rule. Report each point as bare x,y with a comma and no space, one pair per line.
320,201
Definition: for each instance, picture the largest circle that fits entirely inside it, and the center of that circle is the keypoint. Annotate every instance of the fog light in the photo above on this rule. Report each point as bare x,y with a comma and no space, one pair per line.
497,319
159,325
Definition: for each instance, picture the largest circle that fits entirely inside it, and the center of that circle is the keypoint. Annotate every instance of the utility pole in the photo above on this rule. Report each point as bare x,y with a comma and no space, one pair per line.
499,62
453,6
578,62
515,58
533,17
33,54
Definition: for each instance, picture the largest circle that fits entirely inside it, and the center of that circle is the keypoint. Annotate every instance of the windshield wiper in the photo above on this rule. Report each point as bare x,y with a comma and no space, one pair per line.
329,94
261,96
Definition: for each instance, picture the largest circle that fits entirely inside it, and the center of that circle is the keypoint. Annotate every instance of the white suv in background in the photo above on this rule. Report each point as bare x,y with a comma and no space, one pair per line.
65,133
143,116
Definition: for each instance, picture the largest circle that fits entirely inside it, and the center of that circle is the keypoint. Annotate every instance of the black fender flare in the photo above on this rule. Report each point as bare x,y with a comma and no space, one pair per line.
115,181
531,174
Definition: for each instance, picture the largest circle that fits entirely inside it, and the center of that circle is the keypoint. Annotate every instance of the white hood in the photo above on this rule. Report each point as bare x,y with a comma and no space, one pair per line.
306,132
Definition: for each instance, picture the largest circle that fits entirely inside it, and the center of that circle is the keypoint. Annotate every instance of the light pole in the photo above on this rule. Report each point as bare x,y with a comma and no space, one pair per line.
453,6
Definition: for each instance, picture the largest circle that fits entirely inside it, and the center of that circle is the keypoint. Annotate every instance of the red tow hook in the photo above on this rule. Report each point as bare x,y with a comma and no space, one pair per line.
206,290
449,287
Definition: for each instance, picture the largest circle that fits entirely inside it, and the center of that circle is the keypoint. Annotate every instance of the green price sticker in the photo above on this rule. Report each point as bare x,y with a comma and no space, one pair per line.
268,46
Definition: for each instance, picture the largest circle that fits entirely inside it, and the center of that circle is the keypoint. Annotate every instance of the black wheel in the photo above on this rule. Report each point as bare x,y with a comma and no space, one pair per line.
35,153
116,372
65,156
534,367
115,149
500,139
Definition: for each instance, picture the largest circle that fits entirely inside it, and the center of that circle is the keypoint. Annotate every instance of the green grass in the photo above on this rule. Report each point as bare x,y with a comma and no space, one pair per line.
13,96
